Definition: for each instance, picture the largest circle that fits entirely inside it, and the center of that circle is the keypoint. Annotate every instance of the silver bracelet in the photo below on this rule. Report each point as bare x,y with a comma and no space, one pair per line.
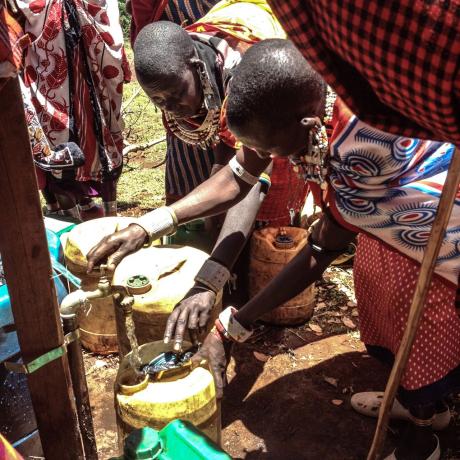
158,223
239,171
213,275
72,212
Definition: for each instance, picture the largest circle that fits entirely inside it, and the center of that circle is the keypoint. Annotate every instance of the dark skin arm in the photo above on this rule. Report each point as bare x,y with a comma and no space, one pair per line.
306,268
222,155
221,191
214,196
194,311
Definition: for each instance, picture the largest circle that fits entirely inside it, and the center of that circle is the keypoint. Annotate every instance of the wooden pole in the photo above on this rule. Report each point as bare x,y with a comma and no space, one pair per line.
27,267
427,267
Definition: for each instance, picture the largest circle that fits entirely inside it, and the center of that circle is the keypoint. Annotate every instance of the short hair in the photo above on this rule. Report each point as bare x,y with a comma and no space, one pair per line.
162,49
273,84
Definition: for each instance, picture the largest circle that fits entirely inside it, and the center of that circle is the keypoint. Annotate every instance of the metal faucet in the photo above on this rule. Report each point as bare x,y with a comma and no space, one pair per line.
74,301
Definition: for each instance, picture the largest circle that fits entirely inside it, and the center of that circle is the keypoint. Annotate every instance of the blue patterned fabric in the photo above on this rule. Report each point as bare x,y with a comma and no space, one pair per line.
389,186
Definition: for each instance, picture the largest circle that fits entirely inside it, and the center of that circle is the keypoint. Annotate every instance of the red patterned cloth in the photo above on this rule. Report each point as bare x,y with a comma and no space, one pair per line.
287,192
394,63
12,43
75,70
385,282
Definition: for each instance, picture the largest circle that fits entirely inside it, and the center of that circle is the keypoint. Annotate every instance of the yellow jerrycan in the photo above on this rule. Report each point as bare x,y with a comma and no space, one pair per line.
168,388
271,250
98,332
158,278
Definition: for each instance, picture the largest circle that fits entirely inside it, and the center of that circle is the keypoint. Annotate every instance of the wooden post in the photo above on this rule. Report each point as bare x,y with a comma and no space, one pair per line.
27,267
427,267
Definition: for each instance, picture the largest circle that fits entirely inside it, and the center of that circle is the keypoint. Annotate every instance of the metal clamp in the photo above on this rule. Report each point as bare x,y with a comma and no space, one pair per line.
37,363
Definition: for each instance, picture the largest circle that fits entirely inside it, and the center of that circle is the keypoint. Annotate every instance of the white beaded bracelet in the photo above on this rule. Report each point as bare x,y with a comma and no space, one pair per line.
230,327
239,171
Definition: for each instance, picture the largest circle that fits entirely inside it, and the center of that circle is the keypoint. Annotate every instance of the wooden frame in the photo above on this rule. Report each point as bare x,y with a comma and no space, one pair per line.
28,272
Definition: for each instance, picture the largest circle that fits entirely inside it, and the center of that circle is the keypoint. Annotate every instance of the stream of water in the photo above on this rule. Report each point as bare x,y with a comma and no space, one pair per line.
134,358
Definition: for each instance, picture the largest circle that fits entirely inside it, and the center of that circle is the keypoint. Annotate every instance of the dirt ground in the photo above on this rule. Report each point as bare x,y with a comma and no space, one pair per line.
289,389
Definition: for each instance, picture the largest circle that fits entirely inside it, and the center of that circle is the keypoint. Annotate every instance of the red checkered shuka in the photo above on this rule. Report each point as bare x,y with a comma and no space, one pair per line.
288,191
395,63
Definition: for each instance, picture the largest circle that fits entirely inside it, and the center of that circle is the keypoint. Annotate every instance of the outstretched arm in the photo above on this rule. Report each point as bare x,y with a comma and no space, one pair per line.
221,191
214,196
194,311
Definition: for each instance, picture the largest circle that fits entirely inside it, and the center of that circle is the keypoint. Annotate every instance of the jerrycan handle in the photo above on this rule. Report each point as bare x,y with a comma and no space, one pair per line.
179,372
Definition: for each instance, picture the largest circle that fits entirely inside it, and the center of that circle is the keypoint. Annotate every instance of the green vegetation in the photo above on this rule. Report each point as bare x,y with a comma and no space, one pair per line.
125,19
141,186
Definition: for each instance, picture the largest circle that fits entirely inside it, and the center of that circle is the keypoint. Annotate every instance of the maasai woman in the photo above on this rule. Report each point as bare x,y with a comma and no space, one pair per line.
196,161
367,181
387,188
74,72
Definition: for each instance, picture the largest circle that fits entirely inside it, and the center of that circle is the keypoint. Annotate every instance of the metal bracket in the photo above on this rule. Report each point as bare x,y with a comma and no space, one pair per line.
37,363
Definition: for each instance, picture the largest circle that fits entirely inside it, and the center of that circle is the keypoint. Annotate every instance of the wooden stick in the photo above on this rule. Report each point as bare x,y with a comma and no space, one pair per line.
130,100
143,146
427,267
27,266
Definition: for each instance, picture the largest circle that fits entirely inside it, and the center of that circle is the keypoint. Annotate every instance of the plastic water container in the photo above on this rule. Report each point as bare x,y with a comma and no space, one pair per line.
184,392
98,331
271,250
179,440
193,234
55,248
158,278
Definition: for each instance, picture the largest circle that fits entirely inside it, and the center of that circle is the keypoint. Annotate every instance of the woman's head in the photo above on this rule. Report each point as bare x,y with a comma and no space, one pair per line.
275,98
164,60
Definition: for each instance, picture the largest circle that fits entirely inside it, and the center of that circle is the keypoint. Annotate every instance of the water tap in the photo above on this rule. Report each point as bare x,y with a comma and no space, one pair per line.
78,299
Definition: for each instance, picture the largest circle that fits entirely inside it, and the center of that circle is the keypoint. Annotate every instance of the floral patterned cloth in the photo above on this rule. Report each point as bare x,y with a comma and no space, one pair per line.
74,70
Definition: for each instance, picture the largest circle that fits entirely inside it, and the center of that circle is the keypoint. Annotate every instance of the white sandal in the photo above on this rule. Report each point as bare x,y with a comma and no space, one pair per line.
435,455
368,403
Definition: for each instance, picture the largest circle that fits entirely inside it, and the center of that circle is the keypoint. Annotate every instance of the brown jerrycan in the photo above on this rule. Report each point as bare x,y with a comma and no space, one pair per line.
271,250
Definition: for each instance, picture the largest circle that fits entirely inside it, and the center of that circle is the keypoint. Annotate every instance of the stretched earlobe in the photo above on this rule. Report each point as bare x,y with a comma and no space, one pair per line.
197,62
310,122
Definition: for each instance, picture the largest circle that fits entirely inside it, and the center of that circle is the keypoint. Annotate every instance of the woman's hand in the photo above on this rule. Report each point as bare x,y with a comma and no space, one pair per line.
216,350
192,312
117,246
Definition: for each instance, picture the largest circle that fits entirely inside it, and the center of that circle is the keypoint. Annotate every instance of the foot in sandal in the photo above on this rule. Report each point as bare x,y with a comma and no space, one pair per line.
417,444
368,403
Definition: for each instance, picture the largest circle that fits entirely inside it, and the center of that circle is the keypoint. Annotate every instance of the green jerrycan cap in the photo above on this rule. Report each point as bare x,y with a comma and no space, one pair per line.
143,444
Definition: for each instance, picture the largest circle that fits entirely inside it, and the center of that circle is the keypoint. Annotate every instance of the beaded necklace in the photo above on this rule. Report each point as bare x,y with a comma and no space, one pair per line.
313,166
207,133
